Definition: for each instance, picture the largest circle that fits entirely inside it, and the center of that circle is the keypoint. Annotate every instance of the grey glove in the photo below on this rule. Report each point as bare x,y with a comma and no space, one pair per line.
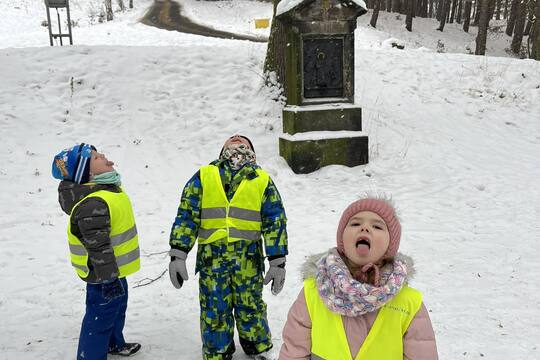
177,267
276,274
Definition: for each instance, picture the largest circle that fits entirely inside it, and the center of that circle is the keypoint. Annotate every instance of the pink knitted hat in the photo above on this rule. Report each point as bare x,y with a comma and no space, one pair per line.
381,207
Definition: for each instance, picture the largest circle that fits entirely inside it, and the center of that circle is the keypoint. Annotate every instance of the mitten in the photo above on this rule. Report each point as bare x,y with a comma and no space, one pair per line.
177,268
276,274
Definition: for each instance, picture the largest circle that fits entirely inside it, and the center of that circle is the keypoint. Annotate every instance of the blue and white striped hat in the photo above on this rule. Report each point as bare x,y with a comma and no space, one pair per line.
73,164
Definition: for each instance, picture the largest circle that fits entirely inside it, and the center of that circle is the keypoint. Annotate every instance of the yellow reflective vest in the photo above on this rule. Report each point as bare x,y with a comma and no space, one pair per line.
238,219
123,235
383,342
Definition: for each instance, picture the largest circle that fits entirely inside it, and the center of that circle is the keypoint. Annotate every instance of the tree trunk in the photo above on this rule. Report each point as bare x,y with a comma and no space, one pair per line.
483,24
512,18
505,13
440,7
459,12
535,33
375,14
444,13
410,14
275,52
498,11
467,15
389,6
518,29
528,27
131,4
108,10
395,6
430,10
454,7
477,12
418,7
121,5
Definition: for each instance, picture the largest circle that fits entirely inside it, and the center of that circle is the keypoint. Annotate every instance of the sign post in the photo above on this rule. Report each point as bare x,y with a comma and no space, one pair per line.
58,4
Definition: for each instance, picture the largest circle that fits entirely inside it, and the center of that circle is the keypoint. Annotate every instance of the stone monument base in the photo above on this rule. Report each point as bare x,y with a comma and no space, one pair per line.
305,155
327,117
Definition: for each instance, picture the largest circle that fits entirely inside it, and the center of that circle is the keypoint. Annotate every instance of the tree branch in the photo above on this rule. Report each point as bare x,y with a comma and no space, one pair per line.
148,281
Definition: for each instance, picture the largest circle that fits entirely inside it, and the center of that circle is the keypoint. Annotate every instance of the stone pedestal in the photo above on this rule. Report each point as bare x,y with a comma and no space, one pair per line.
320,135
327,117
306,155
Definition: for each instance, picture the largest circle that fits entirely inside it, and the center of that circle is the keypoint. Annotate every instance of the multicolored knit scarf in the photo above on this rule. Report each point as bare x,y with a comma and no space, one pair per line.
344,295
238,155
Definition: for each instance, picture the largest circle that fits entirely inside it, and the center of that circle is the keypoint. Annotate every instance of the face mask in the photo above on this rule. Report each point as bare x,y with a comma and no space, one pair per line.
238,155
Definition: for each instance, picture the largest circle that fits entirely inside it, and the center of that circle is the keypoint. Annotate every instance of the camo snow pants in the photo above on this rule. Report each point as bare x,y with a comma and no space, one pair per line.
230,290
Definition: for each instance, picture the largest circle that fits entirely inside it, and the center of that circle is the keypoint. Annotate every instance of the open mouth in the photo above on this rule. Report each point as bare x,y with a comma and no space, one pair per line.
363,242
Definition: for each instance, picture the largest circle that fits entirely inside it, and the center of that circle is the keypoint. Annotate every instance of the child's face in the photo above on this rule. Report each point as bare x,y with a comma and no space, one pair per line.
365,238
99,164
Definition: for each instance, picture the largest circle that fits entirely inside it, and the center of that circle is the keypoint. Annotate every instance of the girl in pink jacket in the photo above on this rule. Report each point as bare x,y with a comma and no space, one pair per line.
356,303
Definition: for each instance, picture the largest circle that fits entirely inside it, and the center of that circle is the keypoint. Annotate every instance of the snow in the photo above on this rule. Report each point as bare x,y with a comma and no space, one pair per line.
454,138
320,135
317,107
286,5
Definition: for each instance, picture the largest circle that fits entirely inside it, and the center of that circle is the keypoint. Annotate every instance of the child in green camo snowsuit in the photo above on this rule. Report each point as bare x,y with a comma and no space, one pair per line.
227,206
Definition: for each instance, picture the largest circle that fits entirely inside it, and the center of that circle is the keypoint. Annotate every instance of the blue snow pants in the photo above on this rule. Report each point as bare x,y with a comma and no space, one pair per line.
102,324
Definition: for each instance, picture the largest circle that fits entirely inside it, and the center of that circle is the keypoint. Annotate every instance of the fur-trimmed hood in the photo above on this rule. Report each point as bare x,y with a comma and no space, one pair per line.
309,267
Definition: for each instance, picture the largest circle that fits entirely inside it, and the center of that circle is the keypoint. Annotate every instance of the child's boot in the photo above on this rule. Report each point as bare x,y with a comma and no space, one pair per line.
127,350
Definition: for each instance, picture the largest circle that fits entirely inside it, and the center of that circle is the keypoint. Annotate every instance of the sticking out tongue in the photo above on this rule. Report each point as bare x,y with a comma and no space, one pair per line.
362,247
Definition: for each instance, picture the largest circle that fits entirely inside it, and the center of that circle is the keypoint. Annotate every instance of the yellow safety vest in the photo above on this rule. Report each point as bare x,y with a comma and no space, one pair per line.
124,238
239,219
383,342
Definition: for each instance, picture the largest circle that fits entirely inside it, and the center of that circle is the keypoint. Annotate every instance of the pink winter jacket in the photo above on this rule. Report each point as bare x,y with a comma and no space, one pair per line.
418,341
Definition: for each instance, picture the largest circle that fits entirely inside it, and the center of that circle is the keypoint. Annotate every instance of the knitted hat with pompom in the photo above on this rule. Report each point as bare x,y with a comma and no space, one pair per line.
381,207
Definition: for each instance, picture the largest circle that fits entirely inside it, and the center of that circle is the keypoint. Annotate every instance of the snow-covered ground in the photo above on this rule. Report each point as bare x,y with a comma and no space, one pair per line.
454,138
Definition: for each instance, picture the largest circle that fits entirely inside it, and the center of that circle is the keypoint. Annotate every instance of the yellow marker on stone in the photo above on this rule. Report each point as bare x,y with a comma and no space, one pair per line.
262,23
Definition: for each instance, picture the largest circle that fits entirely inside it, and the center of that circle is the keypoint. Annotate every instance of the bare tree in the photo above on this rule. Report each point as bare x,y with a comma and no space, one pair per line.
459,12
467,15
512,18
498,11
375,15
410,14
521,15
444,12
453,13
482,27
131,4
277,45
108,10
121,5
477,12
530,22
534,37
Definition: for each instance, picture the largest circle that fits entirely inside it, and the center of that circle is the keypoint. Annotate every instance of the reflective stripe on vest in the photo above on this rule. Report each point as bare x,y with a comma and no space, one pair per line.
239,219
384,340
123,235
